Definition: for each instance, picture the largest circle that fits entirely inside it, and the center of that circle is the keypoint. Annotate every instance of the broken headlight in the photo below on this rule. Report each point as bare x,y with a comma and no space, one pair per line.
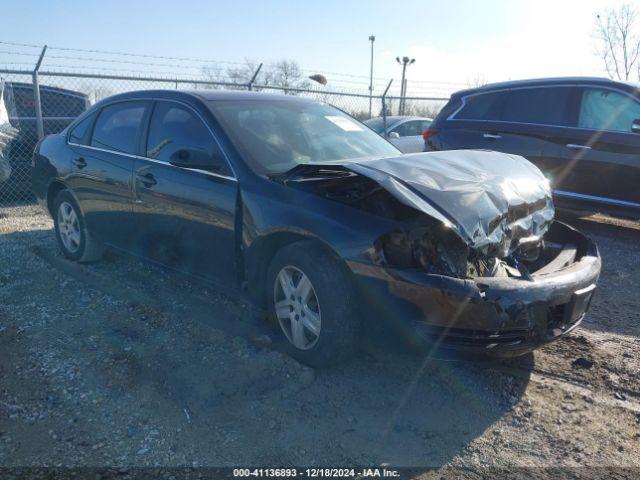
435,249
438,250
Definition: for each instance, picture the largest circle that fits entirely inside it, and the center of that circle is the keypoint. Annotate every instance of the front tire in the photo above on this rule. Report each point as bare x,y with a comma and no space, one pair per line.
73,237
311,299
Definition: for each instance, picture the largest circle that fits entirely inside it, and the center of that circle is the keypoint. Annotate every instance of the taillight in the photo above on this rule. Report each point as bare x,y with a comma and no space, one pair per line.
428,133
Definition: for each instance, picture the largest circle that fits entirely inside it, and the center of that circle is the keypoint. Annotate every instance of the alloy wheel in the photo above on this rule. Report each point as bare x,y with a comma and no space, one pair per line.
297,307
69,227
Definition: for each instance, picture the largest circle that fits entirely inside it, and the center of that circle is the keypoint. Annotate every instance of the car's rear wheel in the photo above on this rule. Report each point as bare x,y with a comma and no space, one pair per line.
311,300
71,231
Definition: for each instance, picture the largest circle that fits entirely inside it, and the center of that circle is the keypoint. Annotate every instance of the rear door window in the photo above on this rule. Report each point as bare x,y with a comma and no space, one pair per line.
543,106
483,106
118,126
603,109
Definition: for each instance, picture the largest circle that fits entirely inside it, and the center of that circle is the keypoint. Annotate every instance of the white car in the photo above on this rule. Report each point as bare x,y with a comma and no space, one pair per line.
404,132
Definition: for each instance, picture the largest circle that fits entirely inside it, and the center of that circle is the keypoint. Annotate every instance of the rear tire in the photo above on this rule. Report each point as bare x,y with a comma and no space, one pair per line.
72,235
322,328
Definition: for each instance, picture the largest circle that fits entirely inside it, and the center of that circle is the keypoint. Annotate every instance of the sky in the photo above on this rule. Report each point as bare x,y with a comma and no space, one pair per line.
454,42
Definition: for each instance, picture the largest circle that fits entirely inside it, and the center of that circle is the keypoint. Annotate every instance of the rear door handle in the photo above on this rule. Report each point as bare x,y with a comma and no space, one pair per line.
578,147
491,136
79,162
146,179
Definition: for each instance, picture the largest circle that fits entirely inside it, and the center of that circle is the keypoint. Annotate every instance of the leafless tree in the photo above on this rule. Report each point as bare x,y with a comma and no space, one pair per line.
423,108
212,73
478,80
288,74
618,41
244,73
285,74
95,93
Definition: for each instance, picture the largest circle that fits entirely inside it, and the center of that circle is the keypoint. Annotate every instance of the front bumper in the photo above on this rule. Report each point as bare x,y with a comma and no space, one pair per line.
493,316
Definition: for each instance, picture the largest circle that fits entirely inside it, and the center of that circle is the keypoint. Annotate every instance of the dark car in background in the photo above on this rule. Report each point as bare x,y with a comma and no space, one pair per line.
328,227
59,108
583,133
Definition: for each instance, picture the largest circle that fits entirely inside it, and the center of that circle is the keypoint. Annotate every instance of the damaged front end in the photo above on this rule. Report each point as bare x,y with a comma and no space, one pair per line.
437,250
463,214
474,258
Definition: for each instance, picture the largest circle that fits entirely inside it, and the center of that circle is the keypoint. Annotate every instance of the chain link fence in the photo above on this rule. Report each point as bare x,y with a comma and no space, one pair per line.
33,104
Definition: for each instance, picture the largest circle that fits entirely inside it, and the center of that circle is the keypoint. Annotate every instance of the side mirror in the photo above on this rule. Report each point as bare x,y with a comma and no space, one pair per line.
635,126
194,157
394,135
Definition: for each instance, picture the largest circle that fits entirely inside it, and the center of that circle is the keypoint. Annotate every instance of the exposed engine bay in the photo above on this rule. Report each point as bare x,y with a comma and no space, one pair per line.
464,214
437,250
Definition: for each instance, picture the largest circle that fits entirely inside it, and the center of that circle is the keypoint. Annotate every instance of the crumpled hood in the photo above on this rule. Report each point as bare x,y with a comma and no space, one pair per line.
492,200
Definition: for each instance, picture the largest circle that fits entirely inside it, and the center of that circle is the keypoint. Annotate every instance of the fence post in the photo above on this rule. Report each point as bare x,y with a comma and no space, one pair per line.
253,79
384,109
36,95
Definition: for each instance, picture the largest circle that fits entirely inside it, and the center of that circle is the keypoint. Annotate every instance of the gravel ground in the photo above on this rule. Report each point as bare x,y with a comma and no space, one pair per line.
122,364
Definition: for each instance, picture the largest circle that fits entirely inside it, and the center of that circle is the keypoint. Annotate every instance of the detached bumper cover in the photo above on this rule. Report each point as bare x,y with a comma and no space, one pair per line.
496,316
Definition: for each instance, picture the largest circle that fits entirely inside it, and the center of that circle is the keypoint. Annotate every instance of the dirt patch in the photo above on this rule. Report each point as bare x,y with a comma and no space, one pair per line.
122,364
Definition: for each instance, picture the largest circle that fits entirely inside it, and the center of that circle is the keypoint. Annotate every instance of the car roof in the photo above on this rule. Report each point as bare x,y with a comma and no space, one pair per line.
533,82
207,95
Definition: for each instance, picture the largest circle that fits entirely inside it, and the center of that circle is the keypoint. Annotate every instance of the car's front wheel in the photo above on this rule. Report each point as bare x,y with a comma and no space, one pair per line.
71,231
311,300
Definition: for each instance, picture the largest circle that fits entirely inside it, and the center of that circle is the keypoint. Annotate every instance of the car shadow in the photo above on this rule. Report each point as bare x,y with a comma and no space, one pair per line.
211,378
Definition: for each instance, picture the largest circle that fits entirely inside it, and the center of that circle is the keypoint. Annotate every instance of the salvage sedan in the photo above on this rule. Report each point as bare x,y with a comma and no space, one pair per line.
326,226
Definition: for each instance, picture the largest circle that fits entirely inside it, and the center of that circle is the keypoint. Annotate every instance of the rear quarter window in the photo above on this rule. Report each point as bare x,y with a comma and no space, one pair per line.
80,133
482,106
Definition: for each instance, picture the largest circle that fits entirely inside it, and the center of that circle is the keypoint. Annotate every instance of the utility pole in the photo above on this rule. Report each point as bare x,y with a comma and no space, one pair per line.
372,39
404,96
404,62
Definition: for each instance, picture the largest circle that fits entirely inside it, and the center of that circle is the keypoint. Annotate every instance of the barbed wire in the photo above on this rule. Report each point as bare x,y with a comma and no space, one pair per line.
194,59
203,68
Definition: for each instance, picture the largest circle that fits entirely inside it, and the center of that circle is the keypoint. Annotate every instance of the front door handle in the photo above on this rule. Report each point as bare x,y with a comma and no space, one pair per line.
491,136
146,179
574,146
79,162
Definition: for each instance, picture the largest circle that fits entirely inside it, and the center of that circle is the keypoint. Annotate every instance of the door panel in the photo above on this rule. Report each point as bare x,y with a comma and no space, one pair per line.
600,155
527,141
186,216
102,169
186,219
601,164
101,182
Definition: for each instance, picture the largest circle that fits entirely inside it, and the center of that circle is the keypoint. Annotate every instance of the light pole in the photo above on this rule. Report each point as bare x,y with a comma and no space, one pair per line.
372,39
404,62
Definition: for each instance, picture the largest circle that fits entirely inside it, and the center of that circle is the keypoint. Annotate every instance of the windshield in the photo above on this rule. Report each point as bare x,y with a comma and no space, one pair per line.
275,136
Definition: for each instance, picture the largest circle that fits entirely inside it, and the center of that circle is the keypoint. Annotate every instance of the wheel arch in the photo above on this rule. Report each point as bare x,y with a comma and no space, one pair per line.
261,253
54,188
